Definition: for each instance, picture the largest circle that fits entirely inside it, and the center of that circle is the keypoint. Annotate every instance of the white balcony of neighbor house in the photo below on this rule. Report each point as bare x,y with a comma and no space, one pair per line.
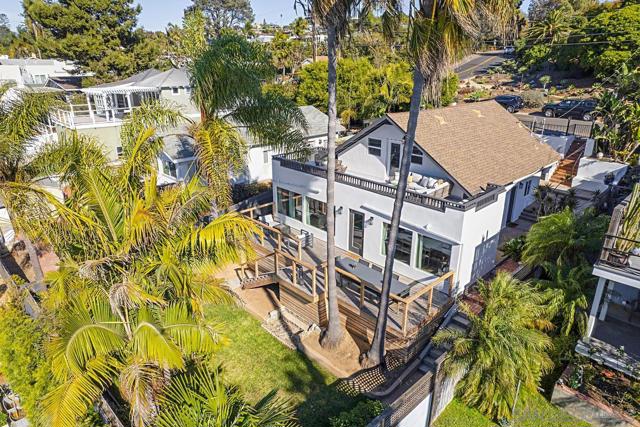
101,106
613,331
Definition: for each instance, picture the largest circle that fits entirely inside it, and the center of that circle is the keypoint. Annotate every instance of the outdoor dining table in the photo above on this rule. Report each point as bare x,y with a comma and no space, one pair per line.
370,276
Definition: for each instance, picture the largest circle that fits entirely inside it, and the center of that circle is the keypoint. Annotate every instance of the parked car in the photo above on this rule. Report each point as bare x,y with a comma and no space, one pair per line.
509,50
511,103
583,109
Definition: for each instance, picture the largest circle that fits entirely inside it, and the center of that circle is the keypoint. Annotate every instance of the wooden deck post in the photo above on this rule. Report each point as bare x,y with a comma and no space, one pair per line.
275,262
361,294
256,272
430,301
294,272
314,281
300,249
405,318
279,241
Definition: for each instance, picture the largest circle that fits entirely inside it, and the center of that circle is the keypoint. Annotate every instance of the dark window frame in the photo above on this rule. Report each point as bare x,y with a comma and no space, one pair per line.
372,149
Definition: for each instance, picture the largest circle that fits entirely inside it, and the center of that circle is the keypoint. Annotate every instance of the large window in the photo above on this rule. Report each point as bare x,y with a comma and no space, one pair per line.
168,167
317,213
290,204
527,187
375,147
433,255
403,243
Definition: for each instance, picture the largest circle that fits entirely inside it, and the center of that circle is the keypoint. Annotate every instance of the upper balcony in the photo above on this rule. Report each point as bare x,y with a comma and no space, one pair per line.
437,198
73,116
621,248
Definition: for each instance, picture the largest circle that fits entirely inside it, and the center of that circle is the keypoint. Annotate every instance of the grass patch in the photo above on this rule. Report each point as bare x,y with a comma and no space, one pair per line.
257,363
532,411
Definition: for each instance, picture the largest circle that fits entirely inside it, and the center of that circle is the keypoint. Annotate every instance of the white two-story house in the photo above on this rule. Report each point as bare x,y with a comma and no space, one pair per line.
474,169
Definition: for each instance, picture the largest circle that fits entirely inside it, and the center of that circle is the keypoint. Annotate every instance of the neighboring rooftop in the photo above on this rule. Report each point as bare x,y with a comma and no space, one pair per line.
179,146
479,144
149,79
317,122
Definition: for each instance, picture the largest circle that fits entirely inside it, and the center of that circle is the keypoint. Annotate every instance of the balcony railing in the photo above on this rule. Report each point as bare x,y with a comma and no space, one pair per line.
293,162
542,126
73,115
618,251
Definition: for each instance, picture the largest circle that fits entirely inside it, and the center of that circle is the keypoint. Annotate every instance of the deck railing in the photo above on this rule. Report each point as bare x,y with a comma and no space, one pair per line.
289,161
617,251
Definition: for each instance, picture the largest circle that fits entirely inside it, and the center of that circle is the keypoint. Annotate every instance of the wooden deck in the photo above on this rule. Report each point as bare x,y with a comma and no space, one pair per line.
299,269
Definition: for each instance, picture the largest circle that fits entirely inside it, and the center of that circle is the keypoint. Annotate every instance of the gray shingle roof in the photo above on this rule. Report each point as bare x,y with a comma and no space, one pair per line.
179,146
317,121
152,78
479,143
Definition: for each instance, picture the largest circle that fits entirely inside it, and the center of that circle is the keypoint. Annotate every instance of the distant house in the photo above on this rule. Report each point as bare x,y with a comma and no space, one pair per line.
259,165
65,83
108,104
177,162
34,72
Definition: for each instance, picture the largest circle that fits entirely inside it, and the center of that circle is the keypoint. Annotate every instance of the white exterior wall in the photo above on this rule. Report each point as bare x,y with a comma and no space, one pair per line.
419,417
185,168
360,163
472,234
256,169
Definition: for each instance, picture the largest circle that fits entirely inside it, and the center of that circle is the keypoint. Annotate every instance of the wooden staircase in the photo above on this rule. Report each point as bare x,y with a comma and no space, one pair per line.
259,282
568,167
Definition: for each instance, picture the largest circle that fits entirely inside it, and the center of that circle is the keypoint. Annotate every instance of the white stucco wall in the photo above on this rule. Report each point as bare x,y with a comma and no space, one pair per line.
419,417
360,163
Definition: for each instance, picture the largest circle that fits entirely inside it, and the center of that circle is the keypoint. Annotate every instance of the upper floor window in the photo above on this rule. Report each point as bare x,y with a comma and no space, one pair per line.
375,147
119,152
403,243
416,156
527,188
289,203
317,213
169,168
187,90
265,156
175,90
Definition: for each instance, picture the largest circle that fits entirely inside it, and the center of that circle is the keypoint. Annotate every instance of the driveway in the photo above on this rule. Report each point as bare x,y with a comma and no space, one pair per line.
479,63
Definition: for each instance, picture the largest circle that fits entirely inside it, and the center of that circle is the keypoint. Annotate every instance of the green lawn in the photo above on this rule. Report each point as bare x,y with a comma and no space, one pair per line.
258,363
534,411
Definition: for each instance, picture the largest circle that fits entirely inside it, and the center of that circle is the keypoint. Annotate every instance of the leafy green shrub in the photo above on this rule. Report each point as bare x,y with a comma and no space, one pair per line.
514,247
477,95
449,89
359,416
3,419
533,99
22,358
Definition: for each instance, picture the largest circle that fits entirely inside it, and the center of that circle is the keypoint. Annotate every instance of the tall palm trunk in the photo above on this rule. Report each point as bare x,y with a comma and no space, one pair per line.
333,335
35,260
375,355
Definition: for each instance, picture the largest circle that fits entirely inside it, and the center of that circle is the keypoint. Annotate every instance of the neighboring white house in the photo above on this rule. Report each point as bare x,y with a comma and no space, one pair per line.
474,169
613,330
33,72
259,164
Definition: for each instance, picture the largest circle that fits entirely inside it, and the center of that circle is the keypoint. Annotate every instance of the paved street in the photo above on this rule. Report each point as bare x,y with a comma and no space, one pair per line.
479,64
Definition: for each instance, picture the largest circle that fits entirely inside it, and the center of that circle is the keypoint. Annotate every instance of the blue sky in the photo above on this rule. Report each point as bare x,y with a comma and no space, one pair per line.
156,14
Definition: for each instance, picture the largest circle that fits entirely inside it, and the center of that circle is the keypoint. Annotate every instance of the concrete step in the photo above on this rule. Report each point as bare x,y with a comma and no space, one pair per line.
459,320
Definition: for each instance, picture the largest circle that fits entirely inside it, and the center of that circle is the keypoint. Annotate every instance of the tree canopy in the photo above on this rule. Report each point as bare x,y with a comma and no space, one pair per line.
222,14
99,35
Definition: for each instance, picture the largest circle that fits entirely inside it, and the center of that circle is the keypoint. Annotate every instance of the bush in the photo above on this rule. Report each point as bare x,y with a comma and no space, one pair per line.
3,419
359,416
22,359
533,99
514,247
449,89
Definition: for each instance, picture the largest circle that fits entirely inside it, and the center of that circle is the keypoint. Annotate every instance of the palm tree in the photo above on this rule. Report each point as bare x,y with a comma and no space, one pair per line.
23,115
440,32
227,88
569,289
201,399
552,29
505,346
334,15
565,237
136,267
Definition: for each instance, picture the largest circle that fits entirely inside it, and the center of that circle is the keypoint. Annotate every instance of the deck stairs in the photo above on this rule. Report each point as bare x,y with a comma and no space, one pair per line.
530,213
568,167
259,281
459,322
